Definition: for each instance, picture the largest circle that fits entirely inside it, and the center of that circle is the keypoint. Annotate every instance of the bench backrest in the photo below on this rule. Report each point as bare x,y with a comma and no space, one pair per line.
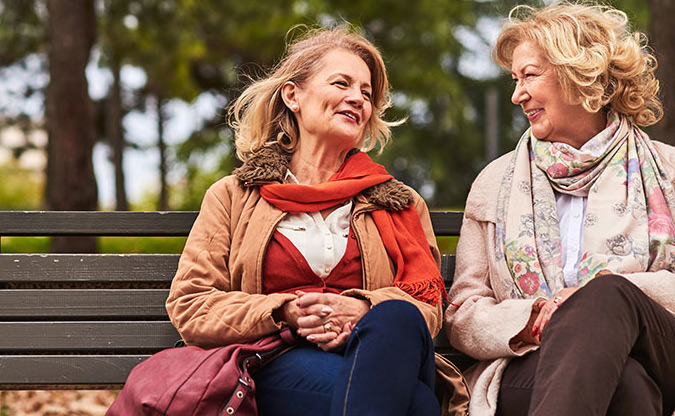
84,320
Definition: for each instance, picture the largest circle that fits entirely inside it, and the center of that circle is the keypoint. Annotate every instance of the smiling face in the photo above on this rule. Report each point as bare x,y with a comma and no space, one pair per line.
334,104
537,90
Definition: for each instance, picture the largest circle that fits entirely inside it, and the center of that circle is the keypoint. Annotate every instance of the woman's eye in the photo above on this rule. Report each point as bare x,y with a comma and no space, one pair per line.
366,94
341,83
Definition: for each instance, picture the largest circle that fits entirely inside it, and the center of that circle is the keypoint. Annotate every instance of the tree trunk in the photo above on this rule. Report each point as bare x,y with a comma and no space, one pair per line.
662,40
161,144
71,184
115,134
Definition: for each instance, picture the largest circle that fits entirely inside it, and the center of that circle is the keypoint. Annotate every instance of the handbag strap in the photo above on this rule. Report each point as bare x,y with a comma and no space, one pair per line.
288,336
244,387
254,362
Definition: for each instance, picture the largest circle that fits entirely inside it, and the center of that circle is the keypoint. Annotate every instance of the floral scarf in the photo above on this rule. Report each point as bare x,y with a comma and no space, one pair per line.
628,225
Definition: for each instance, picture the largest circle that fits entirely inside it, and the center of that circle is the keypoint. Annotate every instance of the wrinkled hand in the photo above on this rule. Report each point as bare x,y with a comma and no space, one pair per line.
325,319
547,308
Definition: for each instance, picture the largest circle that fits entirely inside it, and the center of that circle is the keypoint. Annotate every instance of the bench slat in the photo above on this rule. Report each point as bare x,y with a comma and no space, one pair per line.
96,268
88,267
446,223
20,372
83,303
447,268
120,223
55,332
40,337
96,223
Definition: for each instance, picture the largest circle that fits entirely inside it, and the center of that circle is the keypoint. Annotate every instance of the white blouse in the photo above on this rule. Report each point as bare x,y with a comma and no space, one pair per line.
571,213
322,242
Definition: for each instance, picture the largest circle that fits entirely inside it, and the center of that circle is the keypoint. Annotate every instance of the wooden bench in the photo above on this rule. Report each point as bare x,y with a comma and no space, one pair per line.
83,321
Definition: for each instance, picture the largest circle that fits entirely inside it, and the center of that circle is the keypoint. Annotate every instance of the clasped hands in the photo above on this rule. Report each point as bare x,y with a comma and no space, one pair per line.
542,311
325,319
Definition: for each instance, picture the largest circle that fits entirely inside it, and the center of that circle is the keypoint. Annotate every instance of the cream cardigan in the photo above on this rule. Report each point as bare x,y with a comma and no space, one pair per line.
483,324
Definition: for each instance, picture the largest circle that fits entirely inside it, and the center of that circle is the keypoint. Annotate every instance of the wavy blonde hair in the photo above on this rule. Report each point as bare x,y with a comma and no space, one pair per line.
598,60
259,116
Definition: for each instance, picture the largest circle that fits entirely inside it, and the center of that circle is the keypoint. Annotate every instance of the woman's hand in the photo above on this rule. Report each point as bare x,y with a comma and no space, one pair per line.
325,319
527,336
547,308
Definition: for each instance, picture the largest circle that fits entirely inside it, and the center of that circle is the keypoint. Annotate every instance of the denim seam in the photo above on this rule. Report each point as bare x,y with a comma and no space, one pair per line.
351,373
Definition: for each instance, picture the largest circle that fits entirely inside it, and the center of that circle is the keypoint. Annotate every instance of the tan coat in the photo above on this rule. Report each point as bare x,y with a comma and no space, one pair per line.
483,325
216,296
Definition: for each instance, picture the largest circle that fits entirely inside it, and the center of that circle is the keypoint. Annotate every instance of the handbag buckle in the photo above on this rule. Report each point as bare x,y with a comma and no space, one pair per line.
245,380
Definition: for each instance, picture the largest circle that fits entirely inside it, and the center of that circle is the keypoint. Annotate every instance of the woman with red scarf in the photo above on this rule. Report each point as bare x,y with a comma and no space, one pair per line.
310,234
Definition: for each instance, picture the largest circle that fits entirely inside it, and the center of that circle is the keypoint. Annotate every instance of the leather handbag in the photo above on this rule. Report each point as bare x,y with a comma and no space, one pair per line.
195,381
452,391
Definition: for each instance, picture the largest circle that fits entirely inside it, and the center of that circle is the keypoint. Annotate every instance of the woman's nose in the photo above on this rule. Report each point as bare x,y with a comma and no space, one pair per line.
355,97
519,93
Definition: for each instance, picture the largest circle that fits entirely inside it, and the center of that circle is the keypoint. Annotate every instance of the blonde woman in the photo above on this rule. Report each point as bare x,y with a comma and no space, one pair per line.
311,234
564,287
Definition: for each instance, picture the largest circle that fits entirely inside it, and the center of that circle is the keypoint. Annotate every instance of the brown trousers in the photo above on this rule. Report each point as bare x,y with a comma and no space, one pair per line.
608,350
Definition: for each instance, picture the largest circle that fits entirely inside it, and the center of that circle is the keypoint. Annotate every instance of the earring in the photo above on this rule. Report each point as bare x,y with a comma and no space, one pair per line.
294,107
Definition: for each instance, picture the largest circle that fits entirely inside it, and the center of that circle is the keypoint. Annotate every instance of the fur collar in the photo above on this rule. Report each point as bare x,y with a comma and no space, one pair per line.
269,165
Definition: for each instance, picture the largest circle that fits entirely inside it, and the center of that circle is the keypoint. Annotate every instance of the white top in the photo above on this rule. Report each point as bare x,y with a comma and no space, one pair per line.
571,213
322,242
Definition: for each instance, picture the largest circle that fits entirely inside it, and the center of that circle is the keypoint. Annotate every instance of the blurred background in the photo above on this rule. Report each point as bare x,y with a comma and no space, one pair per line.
119,104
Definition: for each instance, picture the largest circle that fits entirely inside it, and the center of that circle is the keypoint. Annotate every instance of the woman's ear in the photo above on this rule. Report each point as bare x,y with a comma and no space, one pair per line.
289,95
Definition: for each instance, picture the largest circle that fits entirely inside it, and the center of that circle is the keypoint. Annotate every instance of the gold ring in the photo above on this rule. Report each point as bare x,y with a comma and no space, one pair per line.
558,299
326,327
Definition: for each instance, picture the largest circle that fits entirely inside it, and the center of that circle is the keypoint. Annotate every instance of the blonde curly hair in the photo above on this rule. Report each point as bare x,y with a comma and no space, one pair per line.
598,60
259,116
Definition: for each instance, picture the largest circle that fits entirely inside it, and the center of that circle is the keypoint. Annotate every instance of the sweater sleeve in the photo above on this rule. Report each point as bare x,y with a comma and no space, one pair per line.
204,304
660,286
482,319
477,322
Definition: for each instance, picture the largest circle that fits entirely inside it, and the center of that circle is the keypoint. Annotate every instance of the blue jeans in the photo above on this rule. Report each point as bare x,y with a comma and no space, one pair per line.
387,368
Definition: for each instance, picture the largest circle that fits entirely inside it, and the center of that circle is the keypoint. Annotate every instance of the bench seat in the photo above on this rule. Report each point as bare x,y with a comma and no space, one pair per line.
83,321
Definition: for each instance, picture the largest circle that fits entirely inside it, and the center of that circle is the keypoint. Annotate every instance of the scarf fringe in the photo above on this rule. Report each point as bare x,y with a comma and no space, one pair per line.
429,291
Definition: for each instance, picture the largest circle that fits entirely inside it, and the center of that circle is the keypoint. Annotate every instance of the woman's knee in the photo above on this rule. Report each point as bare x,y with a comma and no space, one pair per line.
610,285
400,314
588,307
397,324
607,291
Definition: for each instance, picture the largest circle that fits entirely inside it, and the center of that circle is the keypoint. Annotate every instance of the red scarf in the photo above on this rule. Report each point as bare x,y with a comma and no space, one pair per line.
401,231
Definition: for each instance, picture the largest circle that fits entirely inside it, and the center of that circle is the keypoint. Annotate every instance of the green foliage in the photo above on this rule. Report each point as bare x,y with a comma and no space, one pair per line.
206,156
112,245
447,245
22,29
141,245
20,188
25,244
440,144
637,10
191,47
